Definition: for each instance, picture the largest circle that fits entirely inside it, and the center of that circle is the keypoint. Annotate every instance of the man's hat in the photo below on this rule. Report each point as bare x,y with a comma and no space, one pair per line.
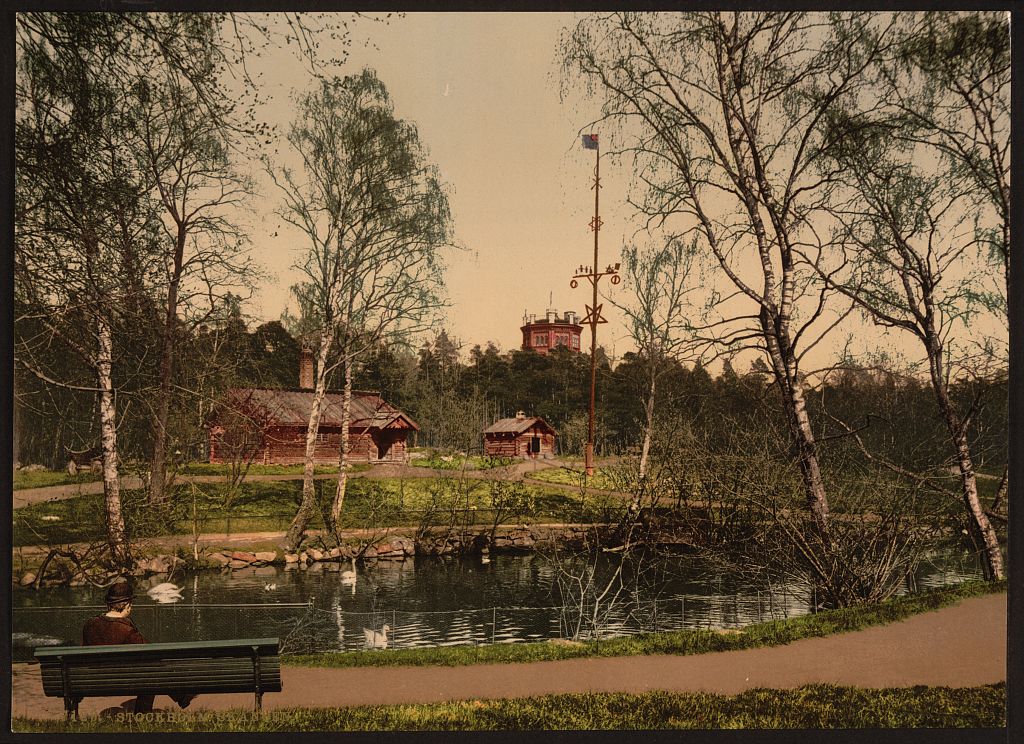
119,592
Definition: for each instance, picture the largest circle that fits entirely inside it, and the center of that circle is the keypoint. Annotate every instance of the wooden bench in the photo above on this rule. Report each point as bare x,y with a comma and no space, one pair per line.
76,672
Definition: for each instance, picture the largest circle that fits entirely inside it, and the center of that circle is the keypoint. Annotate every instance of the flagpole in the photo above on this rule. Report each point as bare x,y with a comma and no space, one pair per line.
588,459
593,274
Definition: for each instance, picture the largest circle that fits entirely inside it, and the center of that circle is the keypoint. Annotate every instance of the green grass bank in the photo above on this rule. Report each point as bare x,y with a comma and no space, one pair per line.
684,642
257,506
810,707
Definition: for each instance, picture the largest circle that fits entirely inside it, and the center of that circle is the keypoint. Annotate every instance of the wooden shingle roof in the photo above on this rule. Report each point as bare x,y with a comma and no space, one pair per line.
517,425
291,407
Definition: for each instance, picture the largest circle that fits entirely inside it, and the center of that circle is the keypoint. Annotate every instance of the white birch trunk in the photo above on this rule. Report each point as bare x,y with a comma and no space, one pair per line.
981,526
645,449
297,529
792,390
343,451
108,435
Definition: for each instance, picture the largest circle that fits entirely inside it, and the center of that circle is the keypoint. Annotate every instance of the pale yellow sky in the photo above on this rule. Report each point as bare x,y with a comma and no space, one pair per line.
483,90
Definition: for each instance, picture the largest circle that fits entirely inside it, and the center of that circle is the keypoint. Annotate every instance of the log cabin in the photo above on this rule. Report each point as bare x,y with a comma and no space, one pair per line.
269,425
523,436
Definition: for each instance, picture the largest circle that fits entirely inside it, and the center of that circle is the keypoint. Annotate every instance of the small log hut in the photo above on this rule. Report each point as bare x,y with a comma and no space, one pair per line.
268,425
522,436
277,421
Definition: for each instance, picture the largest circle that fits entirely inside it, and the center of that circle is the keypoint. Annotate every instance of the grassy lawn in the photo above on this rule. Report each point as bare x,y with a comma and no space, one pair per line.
455,461
266,506
812,706
41,478
600,480
683,642
209,468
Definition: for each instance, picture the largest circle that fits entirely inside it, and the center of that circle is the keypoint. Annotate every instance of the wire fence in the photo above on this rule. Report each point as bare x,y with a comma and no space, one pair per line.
310,628
322,625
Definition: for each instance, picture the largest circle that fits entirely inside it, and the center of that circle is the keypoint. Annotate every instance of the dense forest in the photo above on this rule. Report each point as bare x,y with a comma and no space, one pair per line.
454,395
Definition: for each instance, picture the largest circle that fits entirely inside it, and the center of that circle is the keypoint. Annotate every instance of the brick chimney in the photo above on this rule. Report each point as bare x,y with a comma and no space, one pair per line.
306,368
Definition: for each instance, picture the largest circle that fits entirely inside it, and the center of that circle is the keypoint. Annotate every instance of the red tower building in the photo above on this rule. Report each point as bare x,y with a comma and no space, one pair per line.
551,331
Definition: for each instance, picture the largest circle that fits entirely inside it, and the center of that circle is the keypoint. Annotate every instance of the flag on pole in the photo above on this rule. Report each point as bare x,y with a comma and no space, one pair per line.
590,141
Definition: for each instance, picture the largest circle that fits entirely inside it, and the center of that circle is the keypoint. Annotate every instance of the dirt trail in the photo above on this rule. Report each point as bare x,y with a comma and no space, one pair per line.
959,646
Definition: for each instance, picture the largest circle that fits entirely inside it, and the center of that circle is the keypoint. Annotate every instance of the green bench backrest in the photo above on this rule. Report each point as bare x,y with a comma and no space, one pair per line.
161,668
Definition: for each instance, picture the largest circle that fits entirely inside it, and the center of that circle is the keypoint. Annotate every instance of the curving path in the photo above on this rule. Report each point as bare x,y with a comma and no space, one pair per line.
959,646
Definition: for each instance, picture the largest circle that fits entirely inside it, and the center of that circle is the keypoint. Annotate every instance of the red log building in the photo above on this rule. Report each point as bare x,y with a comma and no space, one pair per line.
269,425
522,436
551,331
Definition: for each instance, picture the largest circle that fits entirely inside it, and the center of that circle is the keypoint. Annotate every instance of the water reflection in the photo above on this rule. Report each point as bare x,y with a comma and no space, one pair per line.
436,602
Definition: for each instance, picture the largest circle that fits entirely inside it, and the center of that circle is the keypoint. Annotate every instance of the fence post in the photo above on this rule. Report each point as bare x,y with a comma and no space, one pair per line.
682,612
655,616
311,619
759,615
394,625
494,622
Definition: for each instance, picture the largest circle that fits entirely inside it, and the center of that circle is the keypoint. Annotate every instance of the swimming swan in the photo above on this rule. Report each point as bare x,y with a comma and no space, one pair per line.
375,639
165,593
349,577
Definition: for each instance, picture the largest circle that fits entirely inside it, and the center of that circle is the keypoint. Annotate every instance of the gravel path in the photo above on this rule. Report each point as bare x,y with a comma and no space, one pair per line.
959,646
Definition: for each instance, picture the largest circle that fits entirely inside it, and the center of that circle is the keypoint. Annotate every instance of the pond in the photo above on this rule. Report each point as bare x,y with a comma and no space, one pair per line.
437,602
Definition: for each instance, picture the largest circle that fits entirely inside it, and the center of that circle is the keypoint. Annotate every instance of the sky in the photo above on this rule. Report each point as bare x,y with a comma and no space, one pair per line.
483,91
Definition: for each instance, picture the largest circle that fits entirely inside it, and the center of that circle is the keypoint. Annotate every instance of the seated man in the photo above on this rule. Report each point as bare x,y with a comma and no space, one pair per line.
115,627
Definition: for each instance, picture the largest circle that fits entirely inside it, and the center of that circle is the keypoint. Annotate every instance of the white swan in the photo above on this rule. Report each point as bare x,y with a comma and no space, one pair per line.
349,577
166,593
375,639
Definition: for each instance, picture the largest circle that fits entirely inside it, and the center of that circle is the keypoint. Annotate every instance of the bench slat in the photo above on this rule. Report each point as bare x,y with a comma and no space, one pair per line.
189,648
170,667
266,671
197,686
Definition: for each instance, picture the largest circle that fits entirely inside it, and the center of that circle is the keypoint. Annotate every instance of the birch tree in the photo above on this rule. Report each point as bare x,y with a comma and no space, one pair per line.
84,227
659,281
949,84
186,151
906,257
376,216
721,113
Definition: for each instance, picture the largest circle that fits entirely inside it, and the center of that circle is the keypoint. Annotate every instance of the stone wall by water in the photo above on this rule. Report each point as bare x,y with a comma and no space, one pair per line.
476,539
